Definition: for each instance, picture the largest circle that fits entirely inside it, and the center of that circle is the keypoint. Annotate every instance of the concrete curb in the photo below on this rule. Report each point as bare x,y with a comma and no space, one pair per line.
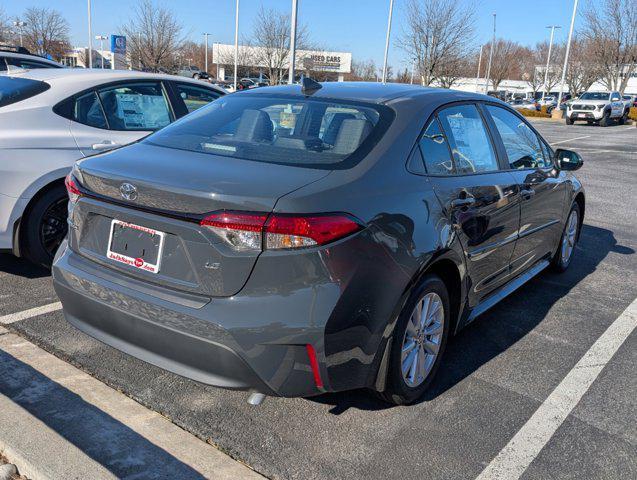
59,422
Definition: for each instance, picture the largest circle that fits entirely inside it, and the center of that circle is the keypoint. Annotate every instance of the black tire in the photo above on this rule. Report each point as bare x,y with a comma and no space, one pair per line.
605,119
397,391
569,121
559,263
196,76
44,226
624,118
589,122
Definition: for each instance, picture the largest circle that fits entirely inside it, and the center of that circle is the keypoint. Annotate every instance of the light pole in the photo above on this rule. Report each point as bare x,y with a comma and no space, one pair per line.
479,65
236,45
20,26
206,56
548,58
101,38
295,10
486,83
568,50
90,37
391,11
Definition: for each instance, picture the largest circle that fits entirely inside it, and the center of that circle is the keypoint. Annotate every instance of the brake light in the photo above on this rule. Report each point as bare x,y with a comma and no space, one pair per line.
72,188
284,231
255,231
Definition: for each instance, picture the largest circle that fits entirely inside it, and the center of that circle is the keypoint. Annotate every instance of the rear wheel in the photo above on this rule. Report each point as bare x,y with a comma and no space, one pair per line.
564,255
418,343
45,226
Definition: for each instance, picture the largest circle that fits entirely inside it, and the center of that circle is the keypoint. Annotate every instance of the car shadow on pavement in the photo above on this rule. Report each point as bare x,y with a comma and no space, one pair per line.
21,267
502,326
109,442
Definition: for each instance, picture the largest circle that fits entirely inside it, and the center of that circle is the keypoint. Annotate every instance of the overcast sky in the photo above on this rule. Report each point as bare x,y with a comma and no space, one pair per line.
356,26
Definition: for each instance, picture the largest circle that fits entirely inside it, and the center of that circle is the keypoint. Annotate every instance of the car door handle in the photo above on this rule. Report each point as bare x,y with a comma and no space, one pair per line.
462,202
105,144
527,193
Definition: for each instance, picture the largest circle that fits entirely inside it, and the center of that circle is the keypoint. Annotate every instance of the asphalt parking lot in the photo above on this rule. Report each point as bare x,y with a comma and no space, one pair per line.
496,374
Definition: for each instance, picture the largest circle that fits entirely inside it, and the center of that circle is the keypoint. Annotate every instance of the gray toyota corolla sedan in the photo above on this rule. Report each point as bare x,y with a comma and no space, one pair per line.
297,240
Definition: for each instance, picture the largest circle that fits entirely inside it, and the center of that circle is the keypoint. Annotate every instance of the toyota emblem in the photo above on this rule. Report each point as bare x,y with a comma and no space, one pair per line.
128,191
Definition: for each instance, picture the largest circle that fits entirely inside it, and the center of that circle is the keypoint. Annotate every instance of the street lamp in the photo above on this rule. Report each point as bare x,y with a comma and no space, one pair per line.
548,58
295,9
101,38
391,11
486,86
20,26
568,50
90,37
206,57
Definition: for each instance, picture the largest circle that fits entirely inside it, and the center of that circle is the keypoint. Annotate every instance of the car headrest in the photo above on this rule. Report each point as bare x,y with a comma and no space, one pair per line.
334,126
351,135
254,126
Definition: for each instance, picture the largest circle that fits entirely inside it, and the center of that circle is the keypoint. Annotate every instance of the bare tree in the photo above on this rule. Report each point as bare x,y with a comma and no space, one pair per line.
365,71
452,71
271,34
154,37
584,68
437,34
245,59
532,72
611,28
194,54
506,63
46,32
5,30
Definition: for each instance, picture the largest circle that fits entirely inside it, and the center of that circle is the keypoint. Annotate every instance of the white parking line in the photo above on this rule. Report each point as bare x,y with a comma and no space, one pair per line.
570,140
32,312
524,447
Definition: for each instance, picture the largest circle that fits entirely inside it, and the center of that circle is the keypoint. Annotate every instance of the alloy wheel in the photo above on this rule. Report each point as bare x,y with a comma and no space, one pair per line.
53,226
569,237
422,340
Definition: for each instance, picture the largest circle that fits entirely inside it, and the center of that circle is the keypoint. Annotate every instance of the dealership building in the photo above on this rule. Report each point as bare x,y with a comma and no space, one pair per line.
332,65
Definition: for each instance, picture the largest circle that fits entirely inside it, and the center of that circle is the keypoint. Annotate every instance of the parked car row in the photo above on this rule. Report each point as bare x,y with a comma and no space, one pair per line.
287,241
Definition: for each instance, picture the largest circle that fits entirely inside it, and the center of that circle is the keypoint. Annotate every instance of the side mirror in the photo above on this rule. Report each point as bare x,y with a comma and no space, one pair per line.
568,160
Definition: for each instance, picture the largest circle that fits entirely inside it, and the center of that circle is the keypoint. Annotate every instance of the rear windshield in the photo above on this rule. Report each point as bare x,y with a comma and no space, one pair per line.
285,130
14,90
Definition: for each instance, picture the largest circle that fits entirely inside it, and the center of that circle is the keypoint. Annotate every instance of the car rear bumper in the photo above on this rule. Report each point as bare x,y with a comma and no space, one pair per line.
250,342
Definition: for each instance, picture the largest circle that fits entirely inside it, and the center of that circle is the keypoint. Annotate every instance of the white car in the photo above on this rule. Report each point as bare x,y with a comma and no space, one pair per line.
49,118
602,107
14,60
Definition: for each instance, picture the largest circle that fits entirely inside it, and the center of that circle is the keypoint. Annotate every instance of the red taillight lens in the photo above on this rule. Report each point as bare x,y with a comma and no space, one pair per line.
72,188
311,353
286,231
245,231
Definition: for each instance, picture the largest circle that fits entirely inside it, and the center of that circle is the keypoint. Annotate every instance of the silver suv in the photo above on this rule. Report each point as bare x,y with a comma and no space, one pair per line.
597,107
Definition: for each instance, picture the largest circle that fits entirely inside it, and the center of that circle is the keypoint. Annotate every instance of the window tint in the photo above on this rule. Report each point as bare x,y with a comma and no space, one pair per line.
87,110
548,154
303,131
135,106
435,150
15,89
469,140
520,142
195,97
26,63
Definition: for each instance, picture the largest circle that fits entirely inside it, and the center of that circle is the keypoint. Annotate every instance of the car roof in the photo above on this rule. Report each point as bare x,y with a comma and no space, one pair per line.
369,92
73,80
27,56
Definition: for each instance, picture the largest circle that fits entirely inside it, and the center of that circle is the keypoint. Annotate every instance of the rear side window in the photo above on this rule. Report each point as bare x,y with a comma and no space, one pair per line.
87,110
29,64
470,143
435,150
286,130
195,97
135,106
520,142
14,90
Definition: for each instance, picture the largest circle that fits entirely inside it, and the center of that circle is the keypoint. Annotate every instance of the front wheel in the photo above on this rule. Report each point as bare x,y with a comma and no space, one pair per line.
605,119
418,343
564,255
569,121
45,226
624,118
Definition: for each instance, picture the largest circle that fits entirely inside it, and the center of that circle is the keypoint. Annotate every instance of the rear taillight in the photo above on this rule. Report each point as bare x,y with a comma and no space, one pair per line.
250,231
72,188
